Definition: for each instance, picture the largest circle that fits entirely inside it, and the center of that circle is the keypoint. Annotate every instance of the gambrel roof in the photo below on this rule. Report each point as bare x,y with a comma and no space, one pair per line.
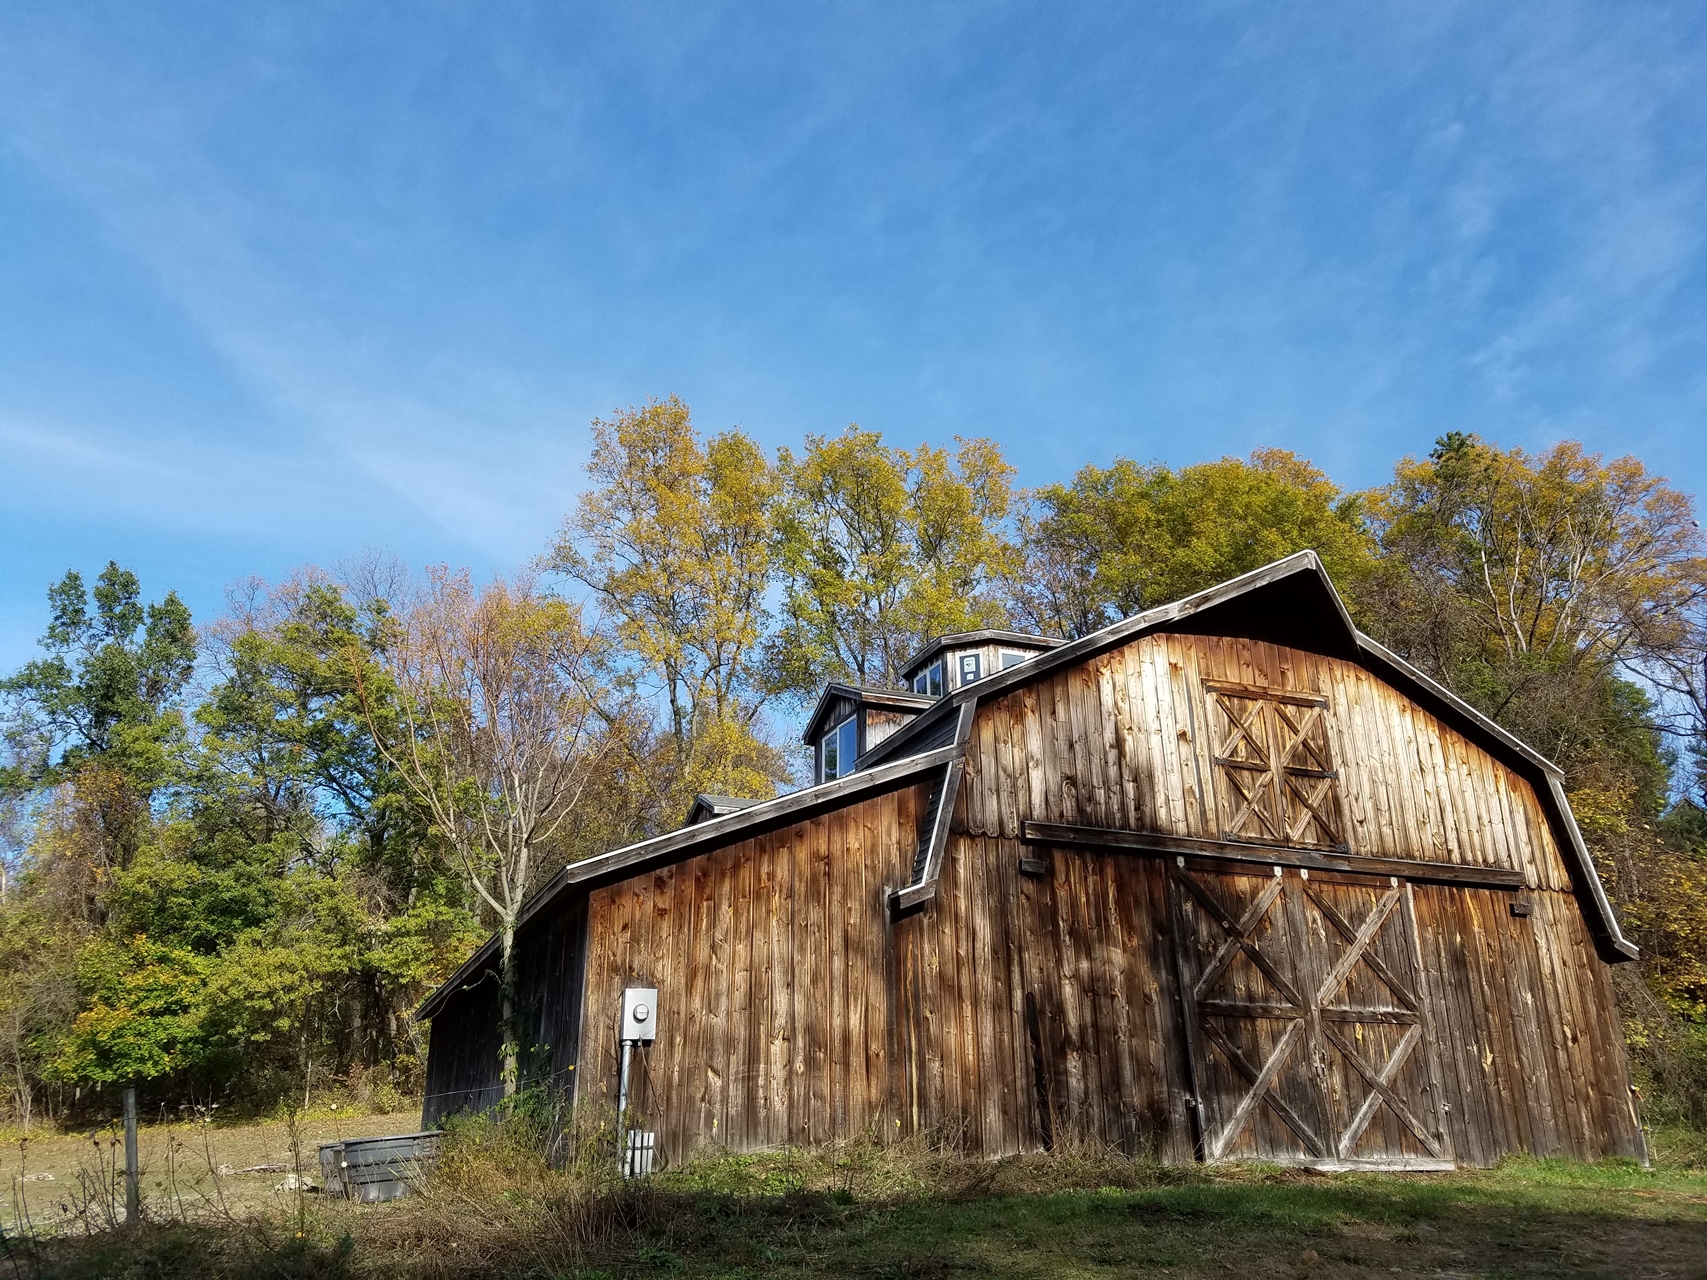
1291,602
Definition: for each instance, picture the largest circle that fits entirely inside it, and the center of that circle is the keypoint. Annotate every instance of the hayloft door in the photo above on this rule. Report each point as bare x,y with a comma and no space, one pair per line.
1303,1019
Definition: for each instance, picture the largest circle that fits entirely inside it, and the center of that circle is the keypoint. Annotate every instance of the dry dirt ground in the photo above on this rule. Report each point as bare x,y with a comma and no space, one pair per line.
52,1177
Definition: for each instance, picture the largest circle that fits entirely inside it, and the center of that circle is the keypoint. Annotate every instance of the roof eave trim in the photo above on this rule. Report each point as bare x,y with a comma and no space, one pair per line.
1610,941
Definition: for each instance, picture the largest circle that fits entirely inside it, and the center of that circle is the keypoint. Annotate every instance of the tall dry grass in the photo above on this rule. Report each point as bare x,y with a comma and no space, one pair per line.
525,1195
536,1193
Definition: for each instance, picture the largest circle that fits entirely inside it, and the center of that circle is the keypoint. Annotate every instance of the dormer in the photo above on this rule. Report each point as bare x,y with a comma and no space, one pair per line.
953,662
849,721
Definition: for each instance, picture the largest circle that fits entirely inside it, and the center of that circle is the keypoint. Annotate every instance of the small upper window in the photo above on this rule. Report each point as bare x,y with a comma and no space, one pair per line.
971,668
929,681
840,750
1011,658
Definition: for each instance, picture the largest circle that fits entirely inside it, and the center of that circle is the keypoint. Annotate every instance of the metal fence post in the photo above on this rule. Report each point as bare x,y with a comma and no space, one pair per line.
132,1183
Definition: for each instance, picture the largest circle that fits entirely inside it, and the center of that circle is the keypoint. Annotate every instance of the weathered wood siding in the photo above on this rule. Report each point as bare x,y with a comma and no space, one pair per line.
1531,1054
1024,1004
880,725
778,1016
1121,742
462,1055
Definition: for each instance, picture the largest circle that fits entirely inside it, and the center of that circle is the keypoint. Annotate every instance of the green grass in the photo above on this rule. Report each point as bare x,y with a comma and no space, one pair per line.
1527,1218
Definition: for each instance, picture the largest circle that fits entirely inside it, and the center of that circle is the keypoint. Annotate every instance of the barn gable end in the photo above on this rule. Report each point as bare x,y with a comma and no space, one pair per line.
1075,1021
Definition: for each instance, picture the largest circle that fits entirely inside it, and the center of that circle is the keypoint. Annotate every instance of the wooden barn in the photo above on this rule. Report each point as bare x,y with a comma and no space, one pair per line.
1224,880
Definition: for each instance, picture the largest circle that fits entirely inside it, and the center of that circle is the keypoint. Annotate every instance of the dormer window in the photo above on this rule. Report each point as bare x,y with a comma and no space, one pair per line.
838,750
929,681
971,668
1011,658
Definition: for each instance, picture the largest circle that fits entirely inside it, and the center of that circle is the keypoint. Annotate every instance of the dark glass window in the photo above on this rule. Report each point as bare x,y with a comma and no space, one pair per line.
971,668
840,749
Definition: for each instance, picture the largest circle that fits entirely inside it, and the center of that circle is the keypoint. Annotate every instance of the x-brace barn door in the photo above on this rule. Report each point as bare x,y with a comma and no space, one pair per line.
1303,1019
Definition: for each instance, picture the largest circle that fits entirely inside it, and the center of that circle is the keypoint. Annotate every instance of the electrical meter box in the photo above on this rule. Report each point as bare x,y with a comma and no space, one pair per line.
640,1015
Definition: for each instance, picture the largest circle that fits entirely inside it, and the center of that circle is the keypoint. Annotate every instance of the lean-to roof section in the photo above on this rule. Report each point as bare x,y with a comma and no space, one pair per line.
702,837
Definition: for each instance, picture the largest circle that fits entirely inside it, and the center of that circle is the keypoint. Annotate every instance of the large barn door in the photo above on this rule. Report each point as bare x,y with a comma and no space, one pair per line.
1303,1019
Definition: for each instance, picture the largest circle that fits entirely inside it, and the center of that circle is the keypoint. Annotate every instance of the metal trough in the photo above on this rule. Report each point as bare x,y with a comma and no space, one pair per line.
374,1169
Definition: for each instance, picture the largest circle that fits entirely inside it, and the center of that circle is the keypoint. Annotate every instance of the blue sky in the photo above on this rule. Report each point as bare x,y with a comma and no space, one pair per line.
279,283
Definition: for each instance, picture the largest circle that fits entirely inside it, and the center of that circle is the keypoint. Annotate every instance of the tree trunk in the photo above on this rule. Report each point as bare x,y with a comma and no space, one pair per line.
507,1003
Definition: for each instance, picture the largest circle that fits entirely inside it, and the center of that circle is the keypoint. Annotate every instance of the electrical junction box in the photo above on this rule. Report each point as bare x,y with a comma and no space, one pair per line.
640,1015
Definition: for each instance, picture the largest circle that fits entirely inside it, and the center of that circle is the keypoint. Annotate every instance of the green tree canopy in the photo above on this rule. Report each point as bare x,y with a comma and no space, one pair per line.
107,689
880,549
1125,538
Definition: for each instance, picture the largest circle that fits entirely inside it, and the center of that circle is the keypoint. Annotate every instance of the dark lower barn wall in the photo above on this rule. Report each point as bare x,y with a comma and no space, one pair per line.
463,1068
1017,1010
462,1053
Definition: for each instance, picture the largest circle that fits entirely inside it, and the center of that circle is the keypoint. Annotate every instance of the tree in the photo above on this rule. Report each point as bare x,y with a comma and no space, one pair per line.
106,690
1125,538
881,549
675,542
100,710
1526,581
499,727
284,732
39,995
285,759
